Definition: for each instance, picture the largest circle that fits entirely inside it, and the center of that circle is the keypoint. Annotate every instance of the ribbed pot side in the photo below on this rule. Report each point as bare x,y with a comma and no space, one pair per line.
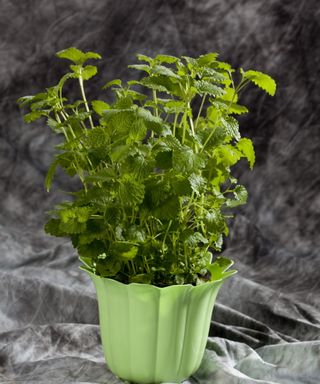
154,335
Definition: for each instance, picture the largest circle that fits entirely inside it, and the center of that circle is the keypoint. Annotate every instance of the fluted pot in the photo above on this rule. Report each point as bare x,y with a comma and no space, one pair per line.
151,334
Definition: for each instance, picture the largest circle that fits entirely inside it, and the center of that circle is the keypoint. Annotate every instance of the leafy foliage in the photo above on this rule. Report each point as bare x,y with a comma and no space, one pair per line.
156,171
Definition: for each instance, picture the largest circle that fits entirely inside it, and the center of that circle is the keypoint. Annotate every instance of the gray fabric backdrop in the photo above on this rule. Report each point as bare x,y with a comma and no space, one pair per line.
266,324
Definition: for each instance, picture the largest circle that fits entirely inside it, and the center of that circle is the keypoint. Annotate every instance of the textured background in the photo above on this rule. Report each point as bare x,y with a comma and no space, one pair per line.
270,311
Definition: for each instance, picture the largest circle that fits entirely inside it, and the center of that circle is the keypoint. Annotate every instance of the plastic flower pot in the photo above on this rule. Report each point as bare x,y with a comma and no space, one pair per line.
151,334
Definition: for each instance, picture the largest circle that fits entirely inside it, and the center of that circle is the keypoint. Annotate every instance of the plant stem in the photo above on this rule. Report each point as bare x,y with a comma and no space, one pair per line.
200,110
84,98
155,99
175,124
191,119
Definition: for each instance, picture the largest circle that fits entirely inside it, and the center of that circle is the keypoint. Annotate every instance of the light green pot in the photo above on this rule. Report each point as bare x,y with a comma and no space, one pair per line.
154,335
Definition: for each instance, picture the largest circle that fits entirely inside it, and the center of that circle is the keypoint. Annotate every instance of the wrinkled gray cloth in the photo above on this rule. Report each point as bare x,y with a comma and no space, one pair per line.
266,323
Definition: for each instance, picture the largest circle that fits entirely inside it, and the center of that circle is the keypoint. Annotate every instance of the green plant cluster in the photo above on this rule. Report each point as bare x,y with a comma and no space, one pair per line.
155,165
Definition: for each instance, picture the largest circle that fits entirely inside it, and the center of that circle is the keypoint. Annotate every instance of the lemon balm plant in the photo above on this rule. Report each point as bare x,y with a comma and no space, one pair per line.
157,192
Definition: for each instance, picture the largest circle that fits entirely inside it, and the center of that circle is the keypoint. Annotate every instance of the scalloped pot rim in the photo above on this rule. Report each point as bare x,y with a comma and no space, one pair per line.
116,282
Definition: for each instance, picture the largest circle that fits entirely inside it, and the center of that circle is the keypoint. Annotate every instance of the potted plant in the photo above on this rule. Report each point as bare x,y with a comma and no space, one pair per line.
155,199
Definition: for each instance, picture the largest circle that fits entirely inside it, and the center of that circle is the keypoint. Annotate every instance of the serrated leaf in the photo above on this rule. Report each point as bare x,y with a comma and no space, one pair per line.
99,106
186,161
245,146
105,174
238,109
140,67
166,59
124,250
121,119
228,154
197,183
240,197
207,59
109,84
130,190
196,238
214,221
145,58
52,227
174,106
91,250
203,87
92,55
164,71
168,209
219,269
73,54
162,83
181,186
164,159
32,116
261,80
231,126
50,174
89,71
119,153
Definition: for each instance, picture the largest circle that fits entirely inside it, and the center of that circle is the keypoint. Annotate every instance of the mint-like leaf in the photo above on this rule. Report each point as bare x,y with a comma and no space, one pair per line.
262,80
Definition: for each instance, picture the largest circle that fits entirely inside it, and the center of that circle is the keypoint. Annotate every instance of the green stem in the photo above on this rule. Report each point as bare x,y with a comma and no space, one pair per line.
84,98
200,110
191,119
155,99
175,124
165,235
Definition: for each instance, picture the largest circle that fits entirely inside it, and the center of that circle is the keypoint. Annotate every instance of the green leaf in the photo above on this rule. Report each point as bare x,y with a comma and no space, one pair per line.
89,71
164,71
186,161
52,227
197,183
140,67
76,56
214,221
50,174
125,250
168,209
181,186
73,54
238,109
148,59
109,84
166,59
219,269
33,116
203,87
228,154
92,55
196,238
207,59
231,126
99,106
240,197
262,80
120,119
174,106
152,122
245,146
92,250
130,190
142,278
119,153
102,175
164,159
